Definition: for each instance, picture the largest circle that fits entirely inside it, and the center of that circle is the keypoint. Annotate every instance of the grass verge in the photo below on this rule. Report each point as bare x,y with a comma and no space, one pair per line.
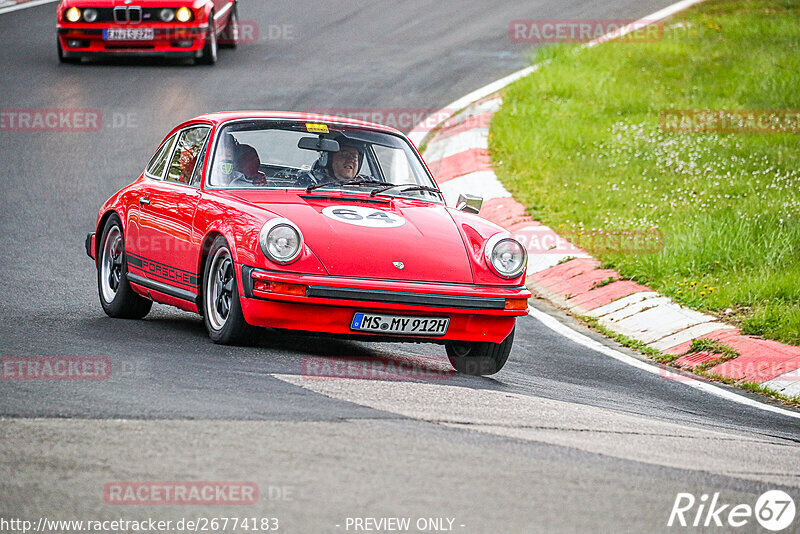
579,143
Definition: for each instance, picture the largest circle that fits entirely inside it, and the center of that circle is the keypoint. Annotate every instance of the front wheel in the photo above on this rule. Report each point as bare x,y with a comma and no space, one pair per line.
116,295
209,55
222,310
230,35
479,358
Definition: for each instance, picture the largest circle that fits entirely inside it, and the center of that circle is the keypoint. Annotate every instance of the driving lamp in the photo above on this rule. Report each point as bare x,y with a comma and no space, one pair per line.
166,14
73,14
183,14
90,14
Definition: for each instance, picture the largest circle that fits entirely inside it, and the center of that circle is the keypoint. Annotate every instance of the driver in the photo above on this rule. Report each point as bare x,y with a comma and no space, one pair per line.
342,166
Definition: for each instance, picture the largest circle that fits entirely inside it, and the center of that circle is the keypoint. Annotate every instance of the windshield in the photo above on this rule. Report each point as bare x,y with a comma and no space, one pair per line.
300,155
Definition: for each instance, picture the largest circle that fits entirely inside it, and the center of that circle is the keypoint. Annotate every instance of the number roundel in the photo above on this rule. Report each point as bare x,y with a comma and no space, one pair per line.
364,216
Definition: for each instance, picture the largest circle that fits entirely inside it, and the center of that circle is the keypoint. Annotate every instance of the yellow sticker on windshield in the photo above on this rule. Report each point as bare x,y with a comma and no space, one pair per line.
316,128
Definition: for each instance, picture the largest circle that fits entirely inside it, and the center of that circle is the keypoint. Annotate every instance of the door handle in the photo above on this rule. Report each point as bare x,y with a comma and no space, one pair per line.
143,201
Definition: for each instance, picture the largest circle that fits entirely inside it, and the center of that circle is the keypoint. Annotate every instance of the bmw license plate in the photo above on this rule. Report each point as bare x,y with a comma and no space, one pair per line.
400,324
128,34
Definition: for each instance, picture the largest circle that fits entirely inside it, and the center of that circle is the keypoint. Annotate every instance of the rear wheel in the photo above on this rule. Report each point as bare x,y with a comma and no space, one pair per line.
116,295
209,55
222,310
479,358
229,38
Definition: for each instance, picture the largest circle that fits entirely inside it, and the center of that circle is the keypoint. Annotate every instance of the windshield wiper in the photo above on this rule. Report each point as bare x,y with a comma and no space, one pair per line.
357,181
408,187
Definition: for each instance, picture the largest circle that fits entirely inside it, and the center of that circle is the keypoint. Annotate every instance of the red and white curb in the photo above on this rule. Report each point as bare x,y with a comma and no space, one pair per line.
457,154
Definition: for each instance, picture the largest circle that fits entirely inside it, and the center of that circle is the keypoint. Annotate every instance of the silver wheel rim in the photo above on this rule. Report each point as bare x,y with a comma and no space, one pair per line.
235,28
111,264
219,289
213,37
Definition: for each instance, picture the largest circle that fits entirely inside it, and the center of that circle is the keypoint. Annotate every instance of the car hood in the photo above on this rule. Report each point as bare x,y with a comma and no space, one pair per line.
382,237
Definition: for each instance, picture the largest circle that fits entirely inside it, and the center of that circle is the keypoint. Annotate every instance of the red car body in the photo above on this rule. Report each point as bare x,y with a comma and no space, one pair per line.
141,31
433,266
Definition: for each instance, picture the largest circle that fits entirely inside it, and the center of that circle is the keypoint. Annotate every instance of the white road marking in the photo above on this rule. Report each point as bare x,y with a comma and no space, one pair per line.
588,428
553,324
32,3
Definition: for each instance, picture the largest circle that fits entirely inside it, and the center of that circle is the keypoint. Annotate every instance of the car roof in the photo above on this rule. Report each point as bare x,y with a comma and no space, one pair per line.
221,117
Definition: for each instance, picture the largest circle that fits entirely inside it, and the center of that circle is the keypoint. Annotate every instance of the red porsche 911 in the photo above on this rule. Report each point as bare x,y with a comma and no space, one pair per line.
303,222
170,28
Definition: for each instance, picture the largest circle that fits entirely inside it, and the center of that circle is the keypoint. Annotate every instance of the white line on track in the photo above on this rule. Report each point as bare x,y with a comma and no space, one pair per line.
555,325
25,5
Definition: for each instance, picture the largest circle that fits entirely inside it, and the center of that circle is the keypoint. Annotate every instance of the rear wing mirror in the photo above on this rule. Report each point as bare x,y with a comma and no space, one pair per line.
320,144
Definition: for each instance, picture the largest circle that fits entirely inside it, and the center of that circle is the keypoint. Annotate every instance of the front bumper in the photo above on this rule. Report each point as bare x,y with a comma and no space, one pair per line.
77,41
328,304
91,246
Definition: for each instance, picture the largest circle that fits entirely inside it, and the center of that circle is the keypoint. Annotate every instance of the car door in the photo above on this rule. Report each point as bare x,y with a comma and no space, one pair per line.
165,249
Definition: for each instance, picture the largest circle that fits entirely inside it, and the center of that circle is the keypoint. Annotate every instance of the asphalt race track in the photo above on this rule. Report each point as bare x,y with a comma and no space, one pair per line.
562,439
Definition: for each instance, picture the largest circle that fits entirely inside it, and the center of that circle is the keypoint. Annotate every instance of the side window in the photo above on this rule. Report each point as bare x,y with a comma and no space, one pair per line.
184,156
394,163
156,166
198,168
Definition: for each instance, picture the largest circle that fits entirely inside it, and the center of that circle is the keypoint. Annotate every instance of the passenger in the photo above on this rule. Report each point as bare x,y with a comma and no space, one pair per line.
247,162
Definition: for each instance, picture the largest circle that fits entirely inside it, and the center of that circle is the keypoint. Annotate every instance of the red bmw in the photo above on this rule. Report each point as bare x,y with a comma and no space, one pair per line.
302,222
171,28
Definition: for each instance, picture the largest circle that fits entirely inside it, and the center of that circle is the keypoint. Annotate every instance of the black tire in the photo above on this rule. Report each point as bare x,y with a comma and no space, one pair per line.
209,55
229,38
222,310
479,358
64,59
116,294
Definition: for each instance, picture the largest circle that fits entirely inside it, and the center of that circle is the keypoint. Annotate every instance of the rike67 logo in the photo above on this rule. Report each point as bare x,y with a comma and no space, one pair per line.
774,510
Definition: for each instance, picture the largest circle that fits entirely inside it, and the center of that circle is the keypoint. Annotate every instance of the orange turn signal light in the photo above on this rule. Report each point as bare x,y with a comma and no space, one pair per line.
289,289
260,285
281,288
516,304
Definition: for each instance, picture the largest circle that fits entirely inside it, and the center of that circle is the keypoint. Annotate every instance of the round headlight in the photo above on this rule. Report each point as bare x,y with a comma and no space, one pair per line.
166,14
184,14
90,14
73,14
506,256
280,240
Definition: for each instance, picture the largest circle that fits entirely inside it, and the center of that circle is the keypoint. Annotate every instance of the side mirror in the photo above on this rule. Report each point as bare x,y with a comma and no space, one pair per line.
469,203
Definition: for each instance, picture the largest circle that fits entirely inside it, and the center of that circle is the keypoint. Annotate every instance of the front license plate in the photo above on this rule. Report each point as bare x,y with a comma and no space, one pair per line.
400,324
128,34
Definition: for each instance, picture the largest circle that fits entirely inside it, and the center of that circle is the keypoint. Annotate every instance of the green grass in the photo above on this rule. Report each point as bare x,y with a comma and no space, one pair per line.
579,143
